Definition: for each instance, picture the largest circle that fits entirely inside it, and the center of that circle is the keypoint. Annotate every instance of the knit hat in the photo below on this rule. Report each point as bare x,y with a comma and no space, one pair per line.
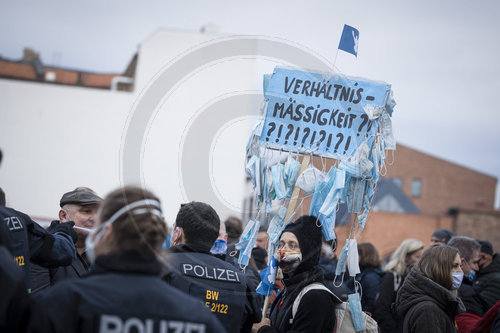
309,236
445,234
486,247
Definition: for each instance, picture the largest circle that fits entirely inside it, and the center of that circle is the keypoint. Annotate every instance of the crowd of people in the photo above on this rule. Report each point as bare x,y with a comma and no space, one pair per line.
105,266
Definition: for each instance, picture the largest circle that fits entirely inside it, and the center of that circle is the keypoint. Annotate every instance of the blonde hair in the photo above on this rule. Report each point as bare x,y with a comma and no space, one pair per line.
398,259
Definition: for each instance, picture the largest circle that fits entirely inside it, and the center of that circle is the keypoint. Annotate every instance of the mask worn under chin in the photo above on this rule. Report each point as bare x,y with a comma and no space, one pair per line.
287,260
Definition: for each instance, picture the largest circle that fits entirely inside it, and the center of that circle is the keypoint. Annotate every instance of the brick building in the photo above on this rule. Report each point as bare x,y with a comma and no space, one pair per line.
446,195
31,68
435,186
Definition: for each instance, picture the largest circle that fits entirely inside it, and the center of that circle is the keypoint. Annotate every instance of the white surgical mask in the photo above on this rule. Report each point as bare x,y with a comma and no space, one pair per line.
457,280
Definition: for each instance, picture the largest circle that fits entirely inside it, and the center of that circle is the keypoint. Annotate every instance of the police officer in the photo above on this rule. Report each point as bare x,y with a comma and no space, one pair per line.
192,269
28,242
78,206
22,240
124,291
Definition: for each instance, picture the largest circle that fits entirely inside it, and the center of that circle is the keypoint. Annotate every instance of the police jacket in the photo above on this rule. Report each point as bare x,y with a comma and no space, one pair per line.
14,302
122,293
27,241
42,278
218,284
316,311
427,306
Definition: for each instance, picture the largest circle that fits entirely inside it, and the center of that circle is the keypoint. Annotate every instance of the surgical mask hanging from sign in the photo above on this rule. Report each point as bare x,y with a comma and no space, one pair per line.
326,115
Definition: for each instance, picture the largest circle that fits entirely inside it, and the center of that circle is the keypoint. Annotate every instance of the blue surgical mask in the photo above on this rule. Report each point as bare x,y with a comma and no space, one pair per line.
366,205
247,242
355,194
457,280
342,259
356,312
472,274
279,181
292,168
276,225
219,247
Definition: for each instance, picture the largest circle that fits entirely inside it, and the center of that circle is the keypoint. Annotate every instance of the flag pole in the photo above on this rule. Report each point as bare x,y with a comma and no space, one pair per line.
335,60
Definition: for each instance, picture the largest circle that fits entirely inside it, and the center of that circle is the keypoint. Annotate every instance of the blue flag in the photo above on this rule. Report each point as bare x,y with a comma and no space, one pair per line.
349,40
268,277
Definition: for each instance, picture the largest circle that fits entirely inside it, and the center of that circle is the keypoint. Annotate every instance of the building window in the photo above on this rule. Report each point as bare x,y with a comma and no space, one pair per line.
398,182
416,187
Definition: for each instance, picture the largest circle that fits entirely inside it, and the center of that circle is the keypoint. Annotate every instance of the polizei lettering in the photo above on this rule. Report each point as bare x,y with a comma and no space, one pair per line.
211,273
115,324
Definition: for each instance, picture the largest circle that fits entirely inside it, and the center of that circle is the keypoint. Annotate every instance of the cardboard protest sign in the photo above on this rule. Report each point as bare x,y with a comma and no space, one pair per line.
327,115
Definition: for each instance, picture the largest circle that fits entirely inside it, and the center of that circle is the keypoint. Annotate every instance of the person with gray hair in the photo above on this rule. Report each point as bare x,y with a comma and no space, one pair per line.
469,256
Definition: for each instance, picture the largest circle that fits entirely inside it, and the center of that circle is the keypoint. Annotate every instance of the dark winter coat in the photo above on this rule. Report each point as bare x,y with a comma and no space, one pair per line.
370,279
123,292
487,283
315,312
388,321
14,302
42,278
28,242
472,301
427,306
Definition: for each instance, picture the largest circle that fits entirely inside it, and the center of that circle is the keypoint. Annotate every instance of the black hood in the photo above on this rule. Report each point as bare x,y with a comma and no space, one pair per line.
309,235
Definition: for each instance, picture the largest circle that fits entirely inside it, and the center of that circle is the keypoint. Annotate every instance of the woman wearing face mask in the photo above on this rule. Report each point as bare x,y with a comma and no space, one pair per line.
297,255
123,291
408,253
427,300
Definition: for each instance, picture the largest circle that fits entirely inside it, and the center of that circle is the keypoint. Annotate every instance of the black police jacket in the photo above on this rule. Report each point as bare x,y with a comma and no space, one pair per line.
28,241
14,301
220,286
122,293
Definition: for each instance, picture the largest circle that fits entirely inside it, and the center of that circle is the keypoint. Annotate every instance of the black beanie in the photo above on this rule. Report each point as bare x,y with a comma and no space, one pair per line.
309,235
445,234
486,247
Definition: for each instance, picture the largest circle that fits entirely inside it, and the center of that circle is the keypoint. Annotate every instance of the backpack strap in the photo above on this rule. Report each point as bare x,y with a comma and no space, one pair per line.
312,286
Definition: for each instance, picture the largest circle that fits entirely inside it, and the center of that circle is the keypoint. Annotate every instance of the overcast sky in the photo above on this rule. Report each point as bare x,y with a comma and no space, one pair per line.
442,57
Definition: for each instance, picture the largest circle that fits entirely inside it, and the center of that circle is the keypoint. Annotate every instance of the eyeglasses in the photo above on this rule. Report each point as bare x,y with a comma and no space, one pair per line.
291,245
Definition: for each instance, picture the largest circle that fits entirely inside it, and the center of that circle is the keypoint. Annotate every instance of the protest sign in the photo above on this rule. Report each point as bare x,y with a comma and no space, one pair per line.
328,115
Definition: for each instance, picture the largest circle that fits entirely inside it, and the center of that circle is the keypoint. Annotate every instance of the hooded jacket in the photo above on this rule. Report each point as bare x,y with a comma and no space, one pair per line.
487,283
427,306
316,312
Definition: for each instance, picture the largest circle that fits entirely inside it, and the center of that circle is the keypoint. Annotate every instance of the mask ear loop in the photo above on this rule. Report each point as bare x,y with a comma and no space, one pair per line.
392,162
358,288
319,225
341,280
